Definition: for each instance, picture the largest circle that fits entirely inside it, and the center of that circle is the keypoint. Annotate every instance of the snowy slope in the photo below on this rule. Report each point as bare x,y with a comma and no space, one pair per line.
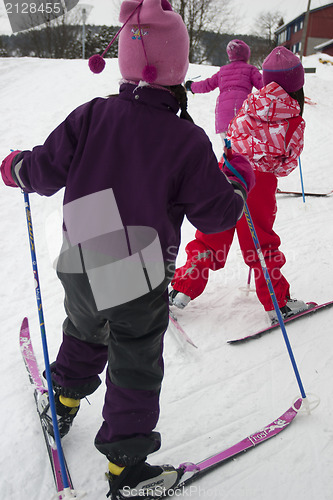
215,395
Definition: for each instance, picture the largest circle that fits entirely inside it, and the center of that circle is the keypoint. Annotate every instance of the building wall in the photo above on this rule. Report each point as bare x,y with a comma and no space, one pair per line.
320,29
321,23
312,42
292,35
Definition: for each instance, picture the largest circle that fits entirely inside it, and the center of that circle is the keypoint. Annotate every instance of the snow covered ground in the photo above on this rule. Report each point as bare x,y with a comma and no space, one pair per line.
212,396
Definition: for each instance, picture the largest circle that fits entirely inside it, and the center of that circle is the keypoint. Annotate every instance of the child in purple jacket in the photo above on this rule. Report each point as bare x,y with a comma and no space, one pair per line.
234,80
132,170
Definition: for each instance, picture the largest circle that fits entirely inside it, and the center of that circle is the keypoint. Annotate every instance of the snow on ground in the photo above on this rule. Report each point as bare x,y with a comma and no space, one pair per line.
212,396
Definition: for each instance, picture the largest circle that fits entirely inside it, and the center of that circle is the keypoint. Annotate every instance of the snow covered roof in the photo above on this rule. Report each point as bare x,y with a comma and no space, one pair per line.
324,44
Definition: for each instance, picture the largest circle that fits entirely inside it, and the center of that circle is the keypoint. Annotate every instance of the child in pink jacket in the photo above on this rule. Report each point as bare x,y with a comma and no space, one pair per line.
234,80
268,131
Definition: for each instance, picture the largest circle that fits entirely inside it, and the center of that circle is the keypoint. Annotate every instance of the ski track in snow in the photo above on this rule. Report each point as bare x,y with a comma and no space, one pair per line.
212,396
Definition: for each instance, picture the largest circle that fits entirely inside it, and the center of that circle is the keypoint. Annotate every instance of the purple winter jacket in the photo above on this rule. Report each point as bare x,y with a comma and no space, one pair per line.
235,81
160,167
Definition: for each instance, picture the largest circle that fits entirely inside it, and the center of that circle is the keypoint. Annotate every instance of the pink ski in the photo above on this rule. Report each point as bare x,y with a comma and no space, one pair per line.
180,330
40,390
29,357
193,471
313,308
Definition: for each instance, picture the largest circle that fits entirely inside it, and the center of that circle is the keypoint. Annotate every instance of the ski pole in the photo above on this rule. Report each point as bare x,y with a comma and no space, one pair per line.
268,280
301,175
273,297
248,282
67,491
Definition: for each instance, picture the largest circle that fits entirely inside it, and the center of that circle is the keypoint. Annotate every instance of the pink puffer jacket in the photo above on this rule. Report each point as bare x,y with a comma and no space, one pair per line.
269,131
235,81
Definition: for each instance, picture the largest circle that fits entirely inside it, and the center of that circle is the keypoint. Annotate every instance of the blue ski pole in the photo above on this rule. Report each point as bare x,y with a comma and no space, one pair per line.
301,175
268,280
67,490
273,297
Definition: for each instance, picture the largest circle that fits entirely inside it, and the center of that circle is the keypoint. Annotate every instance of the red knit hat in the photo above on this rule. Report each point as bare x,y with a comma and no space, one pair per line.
285,68
238,50
153,43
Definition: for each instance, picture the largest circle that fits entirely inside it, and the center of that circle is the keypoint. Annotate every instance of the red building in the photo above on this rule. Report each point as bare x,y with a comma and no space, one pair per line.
319,32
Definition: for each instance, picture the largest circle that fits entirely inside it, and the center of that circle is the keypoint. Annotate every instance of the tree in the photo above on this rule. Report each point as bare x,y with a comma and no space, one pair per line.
3,50
98,40
57,38
61,38
201,16
267,24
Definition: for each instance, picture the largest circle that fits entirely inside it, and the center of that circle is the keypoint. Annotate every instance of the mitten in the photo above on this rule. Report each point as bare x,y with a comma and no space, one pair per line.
188,85
239,171
6,169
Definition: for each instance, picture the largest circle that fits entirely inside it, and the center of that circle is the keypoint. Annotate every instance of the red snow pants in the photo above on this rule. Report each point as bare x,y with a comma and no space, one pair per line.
209,251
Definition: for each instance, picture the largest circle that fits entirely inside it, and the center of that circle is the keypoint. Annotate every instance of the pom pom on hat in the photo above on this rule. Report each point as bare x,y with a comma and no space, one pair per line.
284,68
149,73
96,63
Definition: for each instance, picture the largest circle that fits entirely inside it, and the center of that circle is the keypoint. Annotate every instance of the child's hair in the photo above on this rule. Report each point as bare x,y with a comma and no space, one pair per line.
299,96
180,94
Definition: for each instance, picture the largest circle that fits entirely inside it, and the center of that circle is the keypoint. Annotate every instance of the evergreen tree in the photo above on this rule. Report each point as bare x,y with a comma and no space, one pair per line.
3,50
97,41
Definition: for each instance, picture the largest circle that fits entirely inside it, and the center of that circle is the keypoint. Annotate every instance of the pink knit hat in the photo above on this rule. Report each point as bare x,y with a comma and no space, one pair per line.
238,50
153,43
285,68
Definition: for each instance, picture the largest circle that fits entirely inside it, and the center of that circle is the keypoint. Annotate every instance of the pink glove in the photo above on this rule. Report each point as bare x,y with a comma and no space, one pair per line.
243,167
6,167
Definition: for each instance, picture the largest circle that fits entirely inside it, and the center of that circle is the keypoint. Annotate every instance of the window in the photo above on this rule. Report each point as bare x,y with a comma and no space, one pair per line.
298,26
282,37
296,48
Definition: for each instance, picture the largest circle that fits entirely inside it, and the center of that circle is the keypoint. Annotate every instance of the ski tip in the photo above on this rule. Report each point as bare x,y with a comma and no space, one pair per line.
308,404
312,304
25,324
243,340
69,493
298,403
